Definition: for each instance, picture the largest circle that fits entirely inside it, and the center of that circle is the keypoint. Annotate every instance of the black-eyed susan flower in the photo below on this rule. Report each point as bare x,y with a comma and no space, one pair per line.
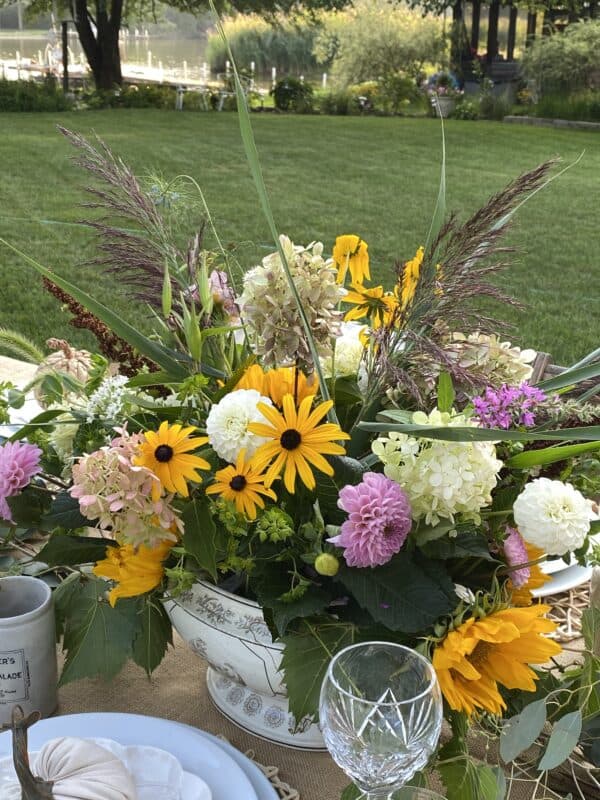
351,253
377,305
243,485
296,442
483,654
409,279
166,453
135,571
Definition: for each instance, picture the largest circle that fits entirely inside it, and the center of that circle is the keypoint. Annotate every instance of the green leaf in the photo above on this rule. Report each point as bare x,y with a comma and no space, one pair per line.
202,539
347,471
466,434
570,377
29,507
273,583
64,513
549,455
158,378
563,740
464,545
351,792
40,421
152,350
428,533
521,731
445,392
66,550
306,657
439,211
154,636
465,779
590,740
407,594
97,638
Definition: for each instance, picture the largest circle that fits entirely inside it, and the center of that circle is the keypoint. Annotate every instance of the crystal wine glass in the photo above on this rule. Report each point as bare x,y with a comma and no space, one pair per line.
381,715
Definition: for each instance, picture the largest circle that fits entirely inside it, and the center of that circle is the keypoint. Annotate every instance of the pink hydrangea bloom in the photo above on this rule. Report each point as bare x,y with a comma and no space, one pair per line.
379,519
19,462
117,494
516,553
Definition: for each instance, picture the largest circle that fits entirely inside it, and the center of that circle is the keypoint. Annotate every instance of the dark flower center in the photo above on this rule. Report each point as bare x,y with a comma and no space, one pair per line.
163,453
238,483
290,439
480,654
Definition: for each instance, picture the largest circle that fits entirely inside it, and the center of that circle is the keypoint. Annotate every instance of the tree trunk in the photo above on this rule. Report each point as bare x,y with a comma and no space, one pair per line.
531,26
492,37
101,47
475,26
512,34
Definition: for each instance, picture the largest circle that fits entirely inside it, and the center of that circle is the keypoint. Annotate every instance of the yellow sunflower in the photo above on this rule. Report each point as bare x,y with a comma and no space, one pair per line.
537,578
135,571
166,453
297,442
275,383
350,252
378,305
481,654
243,485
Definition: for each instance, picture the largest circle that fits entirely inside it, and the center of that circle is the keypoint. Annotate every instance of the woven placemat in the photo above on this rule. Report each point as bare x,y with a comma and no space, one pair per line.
567,609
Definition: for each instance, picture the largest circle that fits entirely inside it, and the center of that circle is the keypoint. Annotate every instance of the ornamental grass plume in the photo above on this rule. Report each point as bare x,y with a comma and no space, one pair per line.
19,463
378,523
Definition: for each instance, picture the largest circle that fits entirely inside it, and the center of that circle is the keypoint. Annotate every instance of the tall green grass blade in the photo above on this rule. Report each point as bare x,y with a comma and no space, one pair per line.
257,176
593,356
152,350
583,398
570,377
549,455
439,212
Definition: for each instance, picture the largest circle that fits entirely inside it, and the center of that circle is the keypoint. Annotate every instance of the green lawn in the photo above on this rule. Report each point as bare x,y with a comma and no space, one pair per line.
326,175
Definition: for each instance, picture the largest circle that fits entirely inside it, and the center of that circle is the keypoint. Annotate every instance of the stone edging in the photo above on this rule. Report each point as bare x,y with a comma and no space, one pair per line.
553,123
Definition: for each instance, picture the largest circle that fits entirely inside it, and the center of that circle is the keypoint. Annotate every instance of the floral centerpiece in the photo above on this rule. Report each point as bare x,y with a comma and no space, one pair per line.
363,462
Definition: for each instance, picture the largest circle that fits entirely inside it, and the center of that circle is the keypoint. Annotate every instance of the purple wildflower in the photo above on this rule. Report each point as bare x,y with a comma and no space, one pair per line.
516,553
508,405
19,462
378,523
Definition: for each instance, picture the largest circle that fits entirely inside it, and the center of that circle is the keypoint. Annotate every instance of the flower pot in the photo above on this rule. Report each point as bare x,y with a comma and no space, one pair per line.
446,105
243,677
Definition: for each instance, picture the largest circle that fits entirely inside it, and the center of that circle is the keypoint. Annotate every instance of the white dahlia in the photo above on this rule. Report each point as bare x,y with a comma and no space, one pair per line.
228,421
553,516
442,479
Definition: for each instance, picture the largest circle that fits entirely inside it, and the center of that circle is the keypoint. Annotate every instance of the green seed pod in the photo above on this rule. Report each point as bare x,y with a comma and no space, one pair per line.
327,564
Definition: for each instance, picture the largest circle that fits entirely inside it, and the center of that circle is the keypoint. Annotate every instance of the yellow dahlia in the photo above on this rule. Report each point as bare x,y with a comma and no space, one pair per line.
350,252
166,453
379,306
243,485
297,441
483,654
275,383
134,570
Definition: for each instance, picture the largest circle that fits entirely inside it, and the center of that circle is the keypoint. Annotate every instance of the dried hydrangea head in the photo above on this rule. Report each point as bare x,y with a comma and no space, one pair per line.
269,309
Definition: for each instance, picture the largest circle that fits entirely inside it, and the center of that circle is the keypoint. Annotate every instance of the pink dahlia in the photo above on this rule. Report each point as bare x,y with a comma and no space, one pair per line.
379,519
516,553
19,462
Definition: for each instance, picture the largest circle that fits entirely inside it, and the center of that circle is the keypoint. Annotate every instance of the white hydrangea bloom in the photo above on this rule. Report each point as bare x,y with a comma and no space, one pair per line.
107,401
228,421
442,479
349,351
553,515
485,354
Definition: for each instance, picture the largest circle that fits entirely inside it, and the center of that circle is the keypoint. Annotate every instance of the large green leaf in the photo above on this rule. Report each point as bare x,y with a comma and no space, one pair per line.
154,636
152,350
97,638
347,471
465,779
563,740
521,731
306,657
202,539
66,550
466,544
570,377
467,434
407,594
28,507
445,392
64,513
273,583
42,420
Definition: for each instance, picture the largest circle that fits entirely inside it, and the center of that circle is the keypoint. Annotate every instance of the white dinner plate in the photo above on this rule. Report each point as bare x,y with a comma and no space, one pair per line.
562,581
260,783
196,753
